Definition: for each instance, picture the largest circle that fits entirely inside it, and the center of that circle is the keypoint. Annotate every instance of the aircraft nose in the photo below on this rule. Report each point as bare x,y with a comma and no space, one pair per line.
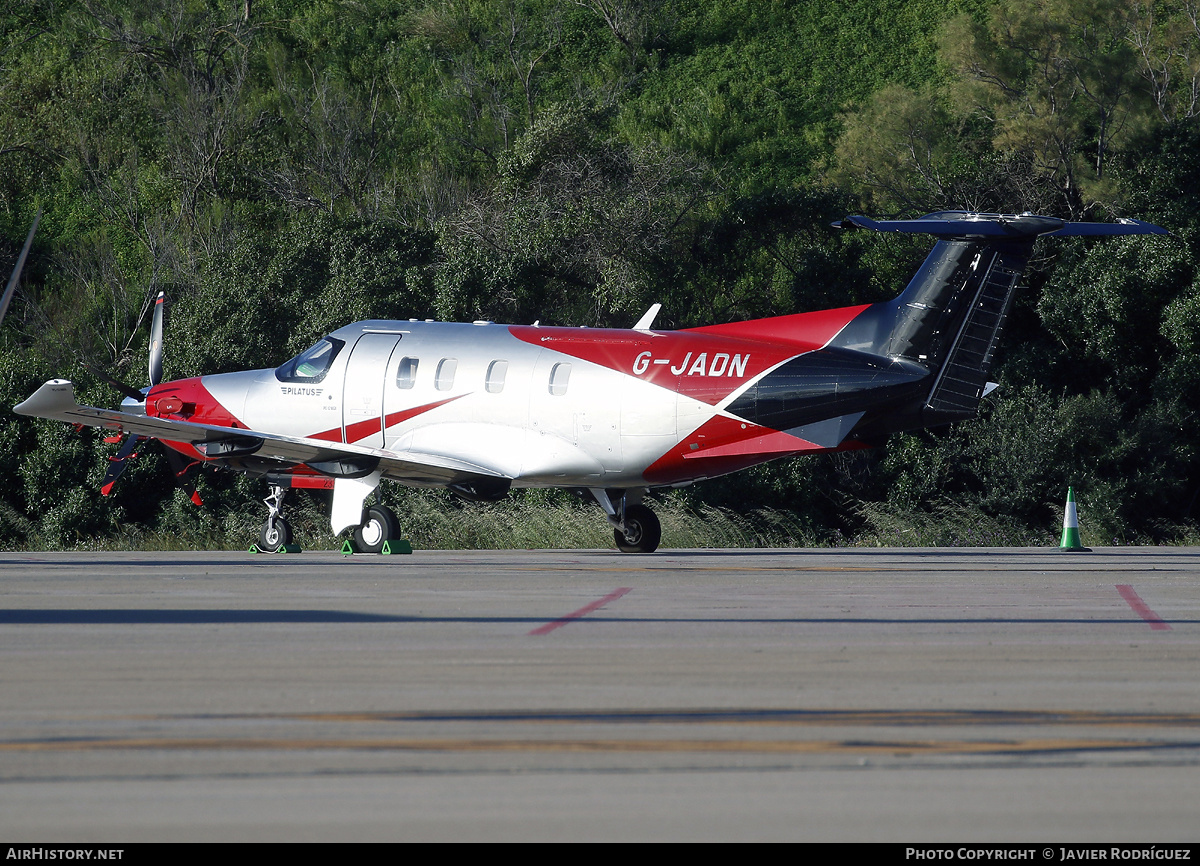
188,400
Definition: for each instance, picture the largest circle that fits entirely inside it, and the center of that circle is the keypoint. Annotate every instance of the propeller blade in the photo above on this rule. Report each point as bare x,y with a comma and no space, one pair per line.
16,274
184,469
156,341
128,390
117,463
181,467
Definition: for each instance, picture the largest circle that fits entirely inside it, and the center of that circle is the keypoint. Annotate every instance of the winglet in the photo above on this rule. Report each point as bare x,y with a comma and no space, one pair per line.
49,401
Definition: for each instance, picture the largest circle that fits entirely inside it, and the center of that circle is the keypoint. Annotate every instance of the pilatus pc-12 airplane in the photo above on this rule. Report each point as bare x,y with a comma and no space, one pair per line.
480,408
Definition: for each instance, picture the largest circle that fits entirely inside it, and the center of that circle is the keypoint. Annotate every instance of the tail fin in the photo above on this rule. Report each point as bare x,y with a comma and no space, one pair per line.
949,318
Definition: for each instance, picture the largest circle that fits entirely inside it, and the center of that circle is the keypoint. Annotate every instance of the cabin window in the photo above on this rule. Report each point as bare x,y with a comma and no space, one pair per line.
444,380
312,364
560,374
406,374
495,376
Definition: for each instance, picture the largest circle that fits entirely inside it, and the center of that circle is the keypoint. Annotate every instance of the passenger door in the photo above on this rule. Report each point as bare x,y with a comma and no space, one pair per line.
362,401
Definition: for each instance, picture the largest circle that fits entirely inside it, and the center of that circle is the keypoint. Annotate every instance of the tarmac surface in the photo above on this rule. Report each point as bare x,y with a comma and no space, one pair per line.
895,695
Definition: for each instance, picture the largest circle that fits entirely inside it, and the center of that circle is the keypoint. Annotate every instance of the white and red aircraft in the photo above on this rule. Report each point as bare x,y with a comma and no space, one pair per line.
481,407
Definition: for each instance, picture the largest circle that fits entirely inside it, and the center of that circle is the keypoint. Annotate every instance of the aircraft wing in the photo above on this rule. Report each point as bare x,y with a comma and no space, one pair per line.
56,400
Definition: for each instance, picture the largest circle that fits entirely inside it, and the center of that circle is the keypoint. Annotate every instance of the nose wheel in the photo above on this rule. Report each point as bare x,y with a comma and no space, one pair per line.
276,533
274,536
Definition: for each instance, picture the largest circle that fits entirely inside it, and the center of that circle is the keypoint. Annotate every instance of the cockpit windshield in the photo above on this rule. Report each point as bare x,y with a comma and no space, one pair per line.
312,364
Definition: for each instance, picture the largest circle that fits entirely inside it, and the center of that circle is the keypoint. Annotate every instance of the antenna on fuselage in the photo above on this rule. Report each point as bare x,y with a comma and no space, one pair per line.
644,323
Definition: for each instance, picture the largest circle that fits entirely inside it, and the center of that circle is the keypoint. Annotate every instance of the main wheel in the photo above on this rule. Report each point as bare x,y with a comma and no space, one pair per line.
379,526
642,531
272,537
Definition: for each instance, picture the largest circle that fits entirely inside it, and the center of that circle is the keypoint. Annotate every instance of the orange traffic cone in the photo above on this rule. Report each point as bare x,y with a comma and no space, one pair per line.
1070,536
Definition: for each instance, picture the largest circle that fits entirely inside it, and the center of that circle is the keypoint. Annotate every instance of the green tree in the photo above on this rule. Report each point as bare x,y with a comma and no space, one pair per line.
573,228
1057,81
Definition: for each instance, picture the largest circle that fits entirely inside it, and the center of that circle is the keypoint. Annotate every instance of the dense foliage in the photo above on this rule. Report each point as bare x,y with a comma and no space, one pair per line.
284,167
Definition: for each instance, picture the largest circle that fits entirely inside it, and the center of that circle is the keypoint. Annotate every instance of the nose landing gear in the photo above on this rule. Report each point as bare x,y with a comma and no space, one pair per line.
276,533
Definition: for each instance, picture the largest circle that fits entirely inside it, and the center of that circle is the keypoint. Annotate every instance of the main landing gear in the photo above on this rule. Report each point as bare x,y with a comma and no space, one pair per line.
379,526
635,527
641,531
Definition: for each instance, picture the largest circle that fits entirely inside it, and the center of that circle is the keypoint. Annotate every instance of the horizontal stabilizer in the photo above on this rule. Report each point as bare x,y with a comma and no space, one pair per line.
962,224
1121,227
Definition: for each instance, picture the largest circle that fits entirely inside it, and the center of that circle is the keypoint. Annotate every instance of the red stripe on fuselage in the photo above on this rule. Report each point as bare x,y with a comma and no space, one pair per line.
806,331
707,364
362,429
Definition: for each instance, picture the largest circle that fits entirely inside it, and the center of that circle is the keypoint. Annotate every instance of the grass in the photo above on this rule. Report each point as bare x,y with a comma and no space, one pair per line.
437,520
949,525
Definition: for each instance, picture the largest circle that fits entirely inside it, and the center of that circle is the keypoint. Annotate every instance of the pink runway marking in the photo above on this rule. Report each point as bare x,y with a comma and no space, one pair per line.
582,612
1141,608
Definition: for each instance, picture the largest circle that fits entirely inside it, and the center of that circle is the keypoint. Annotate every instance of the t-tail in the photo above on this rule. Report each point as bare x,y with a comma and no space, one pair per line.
945,326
